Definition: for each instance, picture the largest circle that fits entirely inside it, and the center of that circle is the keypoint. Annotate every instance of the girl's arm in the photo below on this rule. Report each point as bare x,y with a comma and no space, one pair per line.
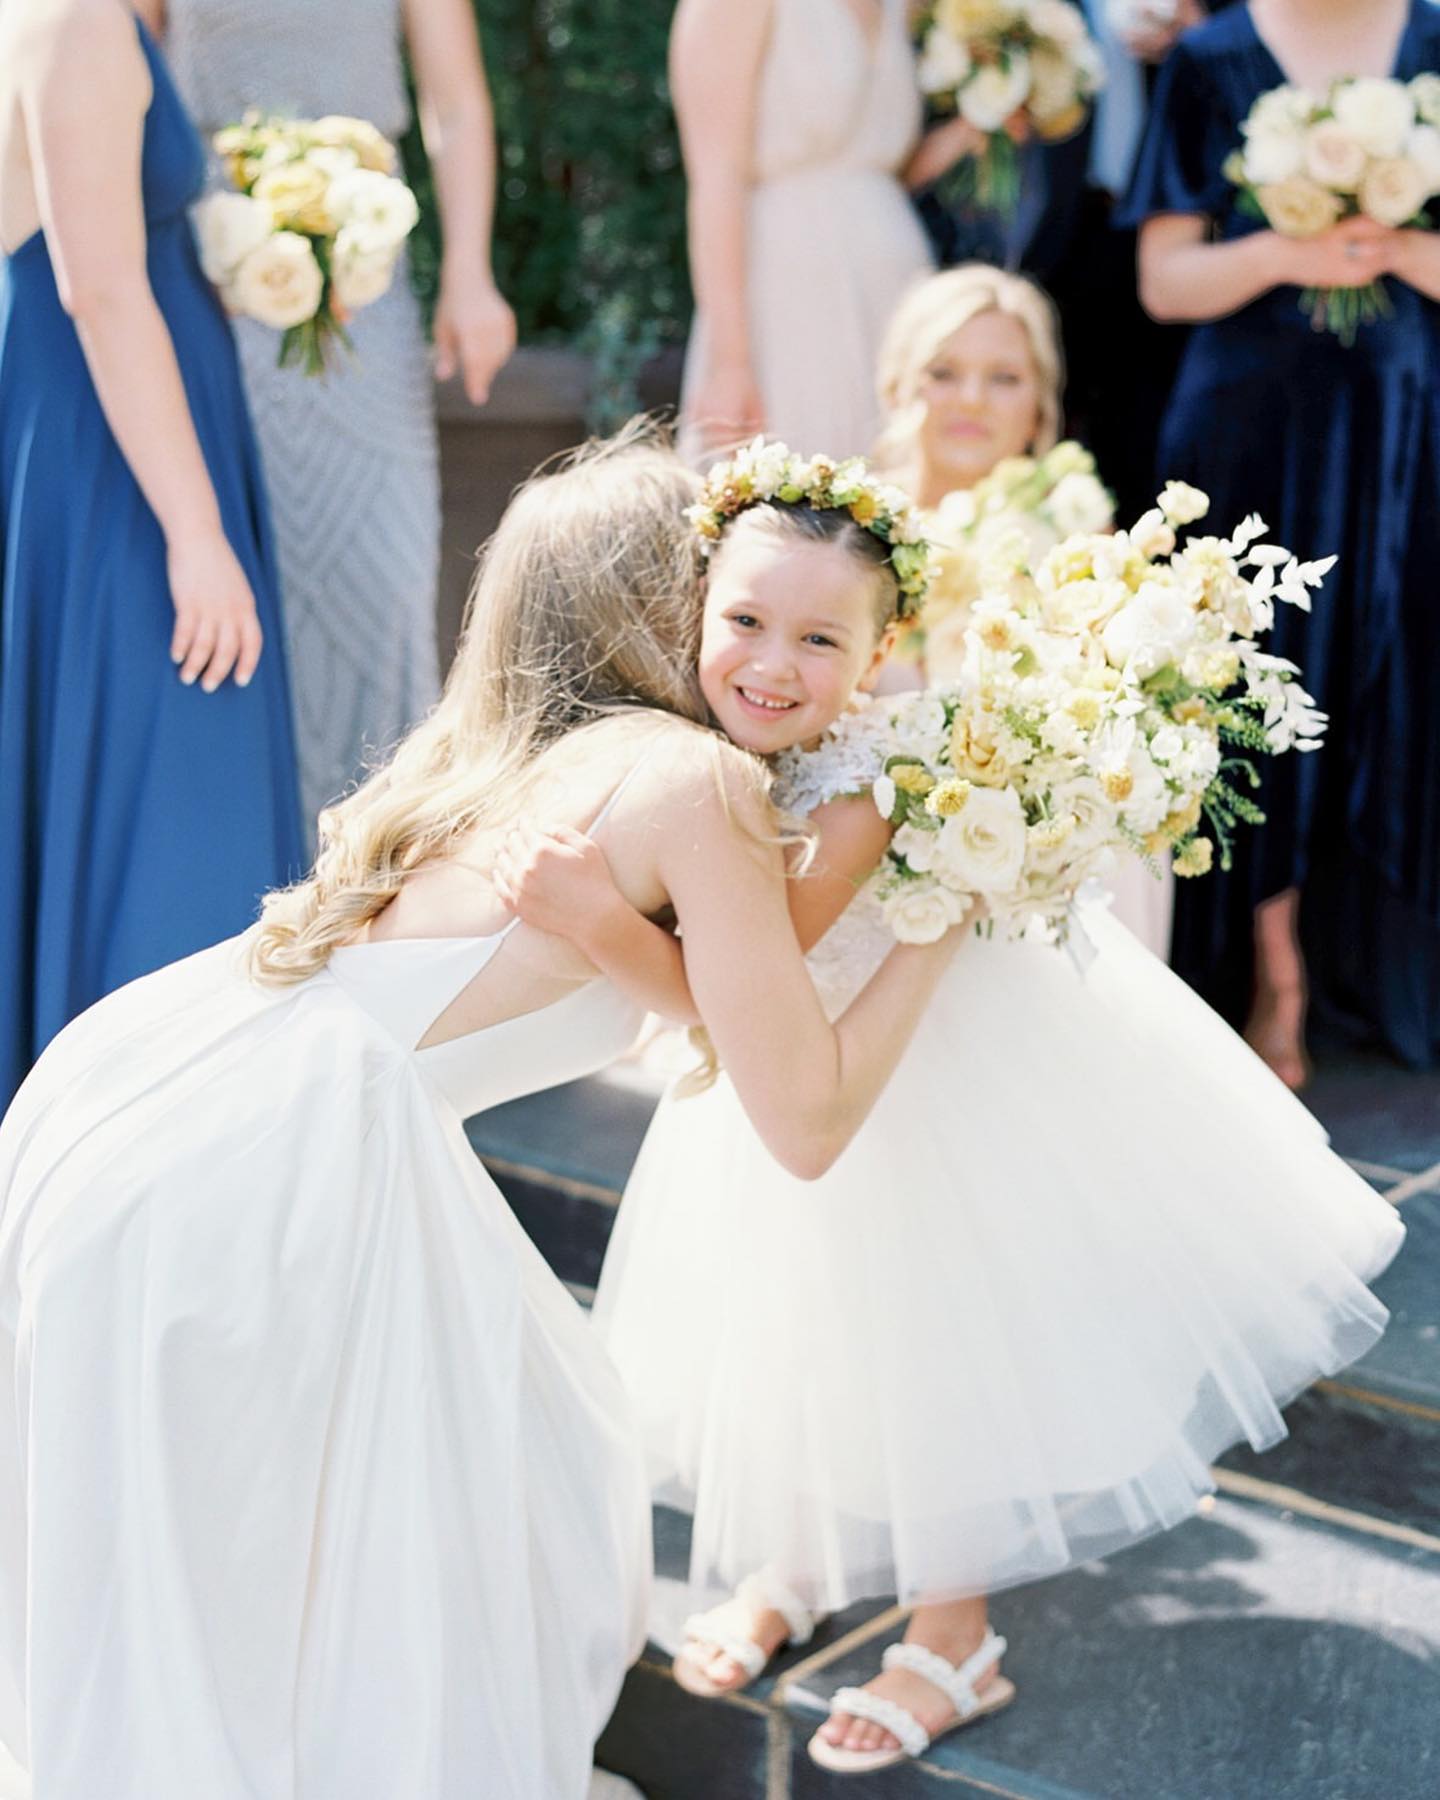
84,90
474,328
716,53
1184,278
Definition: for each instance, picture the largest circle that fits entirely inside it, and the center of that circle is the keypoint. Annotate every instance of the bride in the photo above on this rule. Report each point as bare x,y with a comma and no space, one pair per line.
314,1482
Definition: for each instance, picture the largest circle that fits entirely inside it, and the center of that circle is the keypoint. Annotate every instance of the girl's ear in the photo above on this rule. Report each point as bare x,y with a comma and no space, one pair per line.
878,659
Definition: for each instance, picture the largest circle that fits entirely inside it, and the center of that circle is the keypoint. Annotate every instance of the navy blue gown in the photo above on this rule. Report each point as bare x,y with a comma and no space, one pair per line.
1339,451
139,819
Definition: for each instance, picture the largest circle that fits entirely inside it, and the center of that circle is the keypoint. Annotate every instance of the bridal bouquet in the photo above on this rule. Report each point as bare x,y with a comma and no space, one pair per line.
314,231
1036,499
1370,146
989,59
1112,699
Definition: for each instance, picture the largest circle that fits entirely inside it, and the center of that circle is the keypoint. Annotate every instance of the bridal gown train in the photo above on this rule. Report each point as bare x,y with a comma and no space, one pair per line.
315,1483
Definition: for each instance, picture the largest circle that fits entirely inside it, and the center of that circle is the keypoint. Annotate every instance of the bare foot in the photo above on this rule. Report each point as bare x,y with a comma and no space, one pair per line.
735,1619
1275,1031
953,1632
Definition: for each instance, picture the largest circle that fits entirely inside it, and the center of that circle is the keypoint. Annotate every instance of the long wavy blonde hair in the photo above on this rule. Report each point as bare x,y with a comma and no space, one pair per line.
932,312
587,601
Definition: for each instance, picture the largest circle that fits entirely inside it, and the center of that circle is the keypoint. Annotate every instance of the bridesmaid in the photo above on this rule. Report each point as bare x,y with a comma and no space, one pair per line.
799,123
352,460
971,372
143,807
1339,451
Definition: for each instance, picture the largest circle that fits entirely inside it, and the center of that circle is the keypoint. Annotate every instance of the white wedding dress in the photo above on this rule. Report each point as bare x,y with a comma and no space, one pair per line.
1085,1241
315,1484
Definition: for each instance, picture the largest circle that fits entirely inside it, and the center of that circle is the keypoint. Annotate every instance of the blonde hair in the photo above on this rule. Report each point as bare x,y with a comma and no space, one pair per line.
930,314
586,602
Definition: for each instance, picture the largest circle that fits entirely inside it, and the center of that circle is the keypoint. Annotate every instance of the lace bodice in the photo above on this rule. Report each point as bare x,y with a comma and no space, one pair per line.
847,761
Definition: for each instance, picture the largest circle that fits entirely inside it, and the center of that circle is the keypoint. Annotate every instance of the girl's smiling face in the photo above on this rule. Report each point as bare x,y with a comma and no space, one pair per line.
981,391
790,632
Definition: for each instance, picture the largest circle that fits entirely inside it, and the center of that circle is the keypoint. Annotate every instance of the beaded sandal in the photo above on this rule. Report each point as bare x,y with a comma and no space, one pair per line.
957,1685
710,1631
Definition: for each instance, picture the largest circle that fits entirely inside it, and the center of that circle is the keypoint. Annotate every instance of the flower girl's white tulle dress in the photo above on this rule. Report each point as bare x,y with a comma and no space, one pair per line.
1085,1241
315,1484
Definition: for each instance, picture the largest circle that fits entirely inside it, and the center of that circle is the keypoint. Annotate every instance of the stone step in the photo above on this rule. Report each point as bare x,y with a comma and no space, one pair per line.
1263,1651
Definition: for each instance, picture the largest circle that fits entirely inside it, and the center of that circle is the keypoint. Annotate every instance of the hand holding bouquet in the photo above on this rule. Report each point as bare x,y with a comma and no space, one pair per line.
998,63
1036,499
1369,149
314,231
1111,700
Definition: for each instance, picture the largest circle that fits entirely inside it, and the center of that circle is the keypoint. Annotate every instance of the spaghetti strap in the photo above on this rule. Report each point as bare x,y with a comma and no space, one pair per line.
615,793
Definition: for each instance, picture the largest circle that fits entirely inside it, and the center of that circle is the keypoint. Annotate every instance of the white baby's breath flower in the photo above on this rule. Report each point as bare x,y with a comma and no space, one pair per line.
279,283
229,227
992,93
1393,190
1377,112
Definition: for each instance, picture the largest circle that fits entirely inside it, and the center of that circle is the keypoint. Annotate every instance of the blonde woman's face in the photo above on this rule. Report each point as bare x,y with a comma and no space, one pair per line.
982,393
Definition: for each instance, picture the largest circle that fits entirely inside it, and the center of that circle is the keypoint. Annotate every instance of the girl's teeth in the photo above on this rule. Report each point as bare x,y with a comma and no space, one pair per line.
769,705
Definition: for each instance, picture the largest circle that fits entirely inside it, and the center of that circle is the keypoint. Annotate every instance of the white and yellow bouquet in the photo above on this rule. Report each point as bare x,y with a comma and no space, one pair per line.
1112,700
990,59
1036,499
1371,145
313,232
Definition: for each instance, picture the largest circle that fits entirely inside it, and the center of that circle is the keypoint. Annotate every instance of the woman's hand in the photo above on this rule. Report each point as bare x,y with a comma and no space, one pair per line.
724,407
941,148
557,881
217,632
474,334
1351,254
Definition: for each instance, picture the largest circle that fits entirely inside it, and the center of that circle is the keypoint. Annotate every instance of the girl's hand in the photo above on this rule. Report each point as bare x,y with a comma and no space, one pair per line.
725,407
217,632
474,333
1351,254
558,881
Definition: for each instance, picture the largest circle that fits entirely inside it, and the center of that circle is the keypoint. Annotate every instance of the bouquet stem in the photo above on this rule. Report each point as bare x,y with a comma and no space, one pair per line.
311,346
989,182
1344,310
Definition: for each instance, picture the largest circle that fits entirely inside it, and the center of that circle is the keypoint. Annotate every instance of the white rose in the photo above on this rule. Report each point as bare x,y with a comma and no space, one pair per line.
991,94
1079,503
1422,147
1153,629
919,913
917,846
384,206
1393,190
982,848
360,269
1272,156
1425,96
229,227
1376,111
1333,157
1284,109
944,63
279,283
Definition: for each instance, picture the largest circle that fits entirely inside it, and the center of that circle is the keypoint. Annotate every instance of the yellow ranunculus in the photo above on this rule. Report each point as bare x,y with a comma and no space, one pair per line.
1197,858
910,778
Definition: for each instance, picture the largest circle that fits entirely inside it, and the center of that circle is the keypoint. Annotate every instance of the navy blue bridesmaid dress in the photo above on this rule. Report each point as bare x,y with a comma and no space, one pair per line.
1338,449
140,819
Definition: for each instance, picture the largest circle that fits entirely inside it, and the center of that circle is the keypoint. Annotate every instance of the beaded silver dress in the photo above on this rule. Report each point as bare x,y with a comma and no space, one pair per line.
351,459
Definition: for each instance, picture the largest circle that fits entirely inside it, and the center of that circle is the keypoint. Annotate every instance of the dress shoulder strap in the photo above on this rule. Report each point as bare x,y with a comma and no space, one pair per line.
616,792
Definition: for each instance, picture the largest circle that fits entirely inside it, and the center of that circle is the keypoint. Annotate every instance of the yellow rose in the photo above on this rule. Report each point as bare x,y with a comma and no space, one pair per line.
373,149
1197,858
975,756
1299,207
295,194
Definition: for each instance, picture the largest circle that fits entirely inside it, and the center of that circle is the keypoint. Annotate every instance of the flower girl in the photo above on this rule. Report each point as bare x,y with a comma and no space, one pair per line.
1084,1242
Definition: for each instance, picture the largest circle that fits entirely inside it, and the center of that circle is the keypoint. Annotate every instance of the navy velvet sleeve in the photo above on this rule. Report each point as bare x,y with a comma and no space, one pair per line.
1188,135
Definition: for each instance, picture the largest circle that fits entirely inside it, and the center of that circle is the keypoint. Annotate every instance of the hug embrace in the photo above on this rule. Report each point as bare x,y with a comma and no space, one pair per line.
314,1481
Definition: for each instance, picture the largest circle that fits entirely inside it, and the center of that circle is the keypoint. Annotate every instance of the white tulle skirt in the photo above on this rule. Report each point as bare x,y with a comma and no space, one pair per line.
1084,1243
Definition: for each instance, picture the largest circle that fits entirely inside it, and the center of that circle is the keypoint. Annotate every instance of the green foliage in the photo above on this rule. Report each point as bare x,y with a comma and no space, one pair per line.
590,215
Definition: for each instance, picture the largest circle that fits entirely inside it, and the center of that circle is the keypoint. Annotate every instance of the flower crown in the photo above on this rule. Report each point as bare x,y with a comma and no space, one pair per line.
764,472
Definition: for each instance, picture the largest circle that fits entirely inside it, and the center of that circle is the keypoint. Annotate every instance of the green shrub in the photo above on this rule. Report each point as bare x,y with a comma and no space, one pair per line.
590,214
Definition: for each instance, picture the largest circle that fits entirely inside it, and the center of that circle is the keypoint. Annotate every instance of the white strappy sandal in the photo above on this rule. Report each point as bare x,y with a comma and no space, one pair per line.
710,1631
957,1685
